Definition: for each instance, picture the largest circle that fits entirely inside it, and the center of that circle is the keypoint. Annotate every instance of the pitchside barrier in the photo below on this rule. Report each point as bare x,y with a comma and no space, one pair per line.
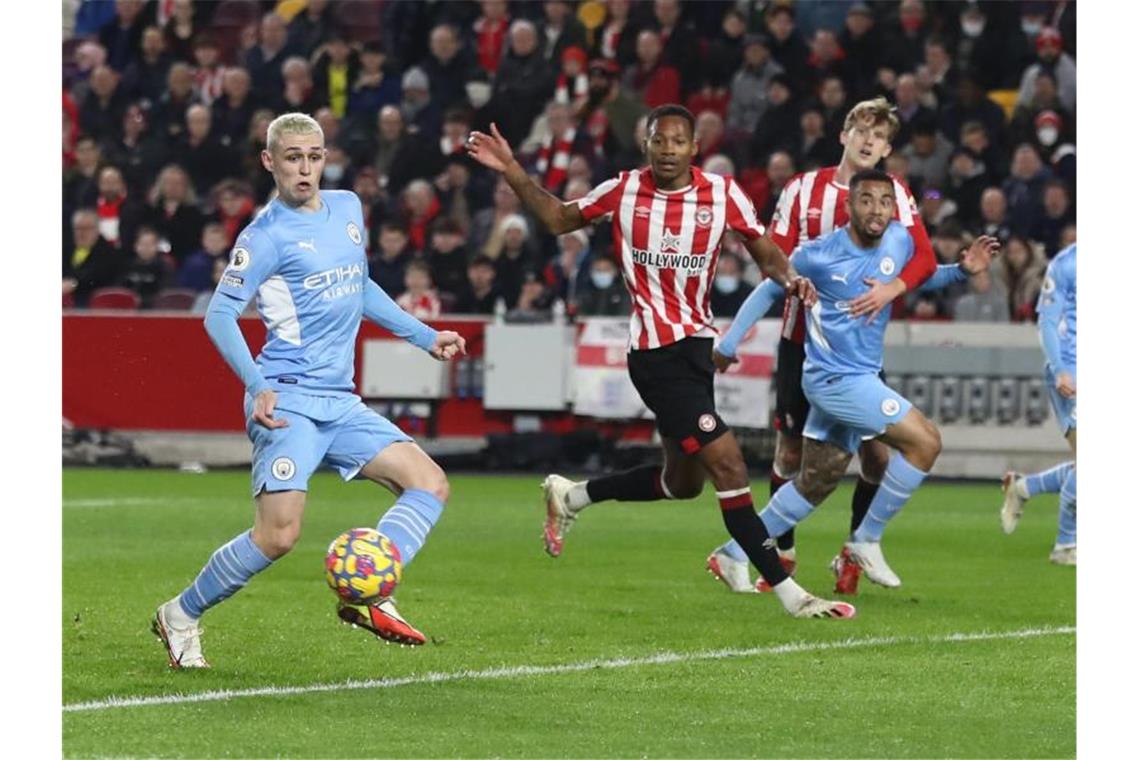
159,379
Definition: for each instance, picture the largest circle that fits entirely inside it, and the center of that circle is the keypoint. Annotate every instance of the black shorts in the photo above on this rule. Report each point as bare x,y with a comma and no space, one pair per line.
792,406
676,383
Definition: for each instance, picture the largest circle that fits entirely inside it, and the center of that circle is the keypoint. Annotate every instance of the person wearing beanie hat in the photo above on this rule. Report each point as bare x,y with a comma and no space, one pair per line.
1051,59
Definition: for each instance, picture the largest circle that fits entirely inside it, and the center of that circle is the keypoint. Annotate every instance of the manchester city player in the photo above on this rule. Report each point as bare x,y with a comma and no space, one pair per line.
1057,327
974,259
302,258
841,379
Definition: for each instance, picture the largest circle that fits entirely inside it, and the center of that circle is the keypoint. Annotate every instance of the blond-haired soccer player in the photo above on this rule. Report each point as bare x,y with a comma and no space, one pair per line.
303,259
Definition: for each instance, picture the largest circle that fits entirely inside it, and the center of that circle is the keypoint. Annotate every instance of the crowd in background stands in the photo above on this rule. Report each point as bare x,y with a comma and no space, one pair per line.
166,104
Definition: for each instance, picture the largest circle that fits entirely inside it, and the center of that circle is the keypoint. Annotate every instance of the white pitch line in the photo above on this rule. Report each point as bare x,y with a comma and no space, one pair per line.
516,671
135,501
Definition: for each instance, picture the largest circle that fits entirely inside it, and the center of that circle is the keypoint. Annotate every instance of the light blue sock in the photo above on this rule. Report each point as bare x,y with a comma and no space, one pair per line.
785,510
1049,481
410,520
733,550
899,481
1067,517
228,570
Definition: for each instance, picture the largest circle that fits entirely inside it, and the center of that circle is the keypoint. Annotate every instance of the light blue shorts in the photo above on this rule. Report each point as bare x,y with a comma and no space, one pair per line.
340,431
848,409
1065,409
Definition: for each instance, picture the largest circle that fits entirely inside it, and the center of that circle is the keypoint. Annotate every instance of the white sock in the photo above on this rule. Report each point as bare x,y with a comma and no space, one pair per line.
176,616
1020,488
577,497
787,553
791,594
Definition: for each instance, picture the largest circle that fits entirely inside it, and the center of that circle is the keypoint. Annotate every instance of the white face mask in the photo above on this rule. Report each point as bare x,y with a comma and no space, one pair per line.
602,280
1030,27
726,283
1047,135
334,172
973,28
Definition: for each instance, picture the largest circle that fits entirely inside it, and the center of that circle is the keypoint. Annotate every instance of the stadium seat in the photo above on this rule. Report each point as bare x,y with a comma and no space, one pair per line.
1008,400
69,300
978,399
1036,402
114,298
174,299
950,399
919,390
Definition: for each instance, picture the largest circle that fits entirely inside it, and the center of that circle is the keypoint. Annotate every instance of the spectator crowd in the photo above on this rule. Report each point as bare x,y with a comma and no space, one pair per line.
166,105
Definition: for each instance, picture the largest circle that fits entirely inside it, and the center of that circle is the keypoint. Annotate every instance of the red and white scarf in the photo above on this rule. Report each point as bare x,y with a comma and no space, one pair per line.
570,92
554,159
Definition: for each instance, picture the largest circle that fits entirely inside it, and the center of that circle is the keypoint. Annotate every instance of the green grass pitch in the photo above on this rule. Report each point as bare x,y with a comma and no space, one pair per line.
904,679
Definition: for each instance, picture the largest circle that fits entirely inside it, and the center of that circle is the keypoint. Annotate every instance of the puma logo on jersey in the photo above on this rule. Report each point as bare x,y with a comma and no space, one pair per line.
840,278
307,244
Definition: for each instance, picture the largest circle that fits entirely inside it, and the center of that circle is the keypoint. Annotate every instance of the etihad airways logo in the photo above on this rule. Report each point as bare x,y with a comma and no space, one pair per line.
347,280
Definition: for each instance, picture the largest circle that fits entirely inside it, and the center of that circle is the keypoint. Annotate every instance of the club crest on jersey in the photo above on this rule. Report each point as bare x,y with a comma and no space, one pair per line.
354,233
283,468
1047,285
239,259
704,216
707,423
890,407
887,266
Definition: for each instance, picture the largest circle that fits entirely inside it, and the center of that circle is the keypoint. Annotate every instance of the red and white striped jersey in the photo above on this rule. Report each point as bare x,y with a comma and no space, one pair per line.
669,242
813,204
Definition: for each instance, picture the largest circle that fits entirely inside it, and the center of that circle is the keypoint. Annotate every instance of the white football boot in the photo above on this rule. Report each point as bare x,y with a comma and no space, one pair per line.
731,572
180,635
560,516
814,607
1013,505
869,556
1064,555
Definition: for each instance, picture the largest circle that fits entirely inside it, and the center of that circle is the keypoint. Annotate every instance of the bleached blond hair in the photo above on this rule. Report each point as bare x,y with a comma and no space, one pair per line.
295,123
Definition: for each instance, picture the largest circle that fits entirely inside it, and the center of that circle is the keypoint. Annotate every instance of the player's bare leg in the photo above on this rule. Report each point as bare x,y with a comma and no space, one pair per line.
724,463
918,443
409,473
680,477
276,527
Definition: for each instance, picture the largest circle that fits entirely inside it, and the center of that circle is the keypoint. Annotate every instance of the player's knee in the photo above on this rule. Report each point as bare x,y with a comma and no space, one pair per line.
681,488
277,541
436,483
930,444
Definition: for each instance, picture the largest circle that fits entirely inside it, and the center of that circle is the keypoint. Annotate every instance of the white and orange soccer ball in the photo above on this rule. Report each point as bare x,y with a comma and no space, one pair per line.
363,566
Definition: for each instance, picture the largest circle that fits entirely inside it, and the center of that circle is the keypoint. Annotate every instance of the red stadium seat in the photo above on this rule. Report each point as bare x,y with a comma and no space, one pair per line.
69,300
174,299
114,298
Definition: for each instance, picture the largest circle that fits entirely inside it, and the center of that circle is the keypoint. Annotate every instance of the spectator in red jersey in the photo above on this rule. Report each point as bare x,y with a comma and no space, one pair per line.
618,38
147,272
173,212
181,29
447,257
1022,271
419,298
233,207
651,79
749,88
490,34
90,262
1024,188
420,208
119,215
196,272
481,293
787,46
146,76
101,112
387,266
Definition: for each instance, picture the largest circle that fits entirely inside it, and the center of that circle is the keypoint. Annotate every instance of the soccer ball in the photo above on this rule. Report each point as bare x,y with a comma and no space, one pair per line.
362,566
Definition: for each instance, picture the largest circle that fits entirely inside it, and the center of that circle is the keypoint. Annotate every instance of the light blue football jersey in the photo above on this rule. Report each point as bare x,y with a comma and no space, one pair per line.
838,344
1057,310
307,272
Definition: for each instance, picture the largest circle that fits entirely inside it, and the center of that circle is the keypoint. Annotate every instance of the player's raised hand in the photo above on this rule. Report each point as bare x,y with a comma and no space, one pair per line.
981,252
493,150
262,414
1065,385
447,345
721,361
876,299
802,288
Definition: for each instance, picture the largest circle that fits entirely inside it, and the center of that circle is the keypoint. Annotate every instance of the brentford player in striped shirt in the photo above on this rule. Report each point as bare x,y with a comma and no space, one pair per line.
668,221
814,204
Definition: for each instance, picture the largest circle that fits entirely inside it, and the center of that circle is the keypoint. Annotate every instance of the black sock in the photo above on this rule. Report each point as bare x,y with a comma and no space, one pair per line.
748,529
861,501
638,484
788,540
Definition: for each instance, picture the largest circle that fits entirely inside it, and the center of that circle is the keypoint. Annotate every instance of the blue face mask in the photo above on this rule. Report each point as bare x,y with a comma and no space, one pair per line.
726,283
602,280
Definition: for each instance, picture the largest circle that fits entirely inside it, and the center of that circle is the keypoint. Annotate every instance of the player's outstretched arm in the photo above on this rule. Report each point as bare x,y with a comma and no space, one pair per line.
754,307
381,309
494,152
975,259
222,327
774,264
